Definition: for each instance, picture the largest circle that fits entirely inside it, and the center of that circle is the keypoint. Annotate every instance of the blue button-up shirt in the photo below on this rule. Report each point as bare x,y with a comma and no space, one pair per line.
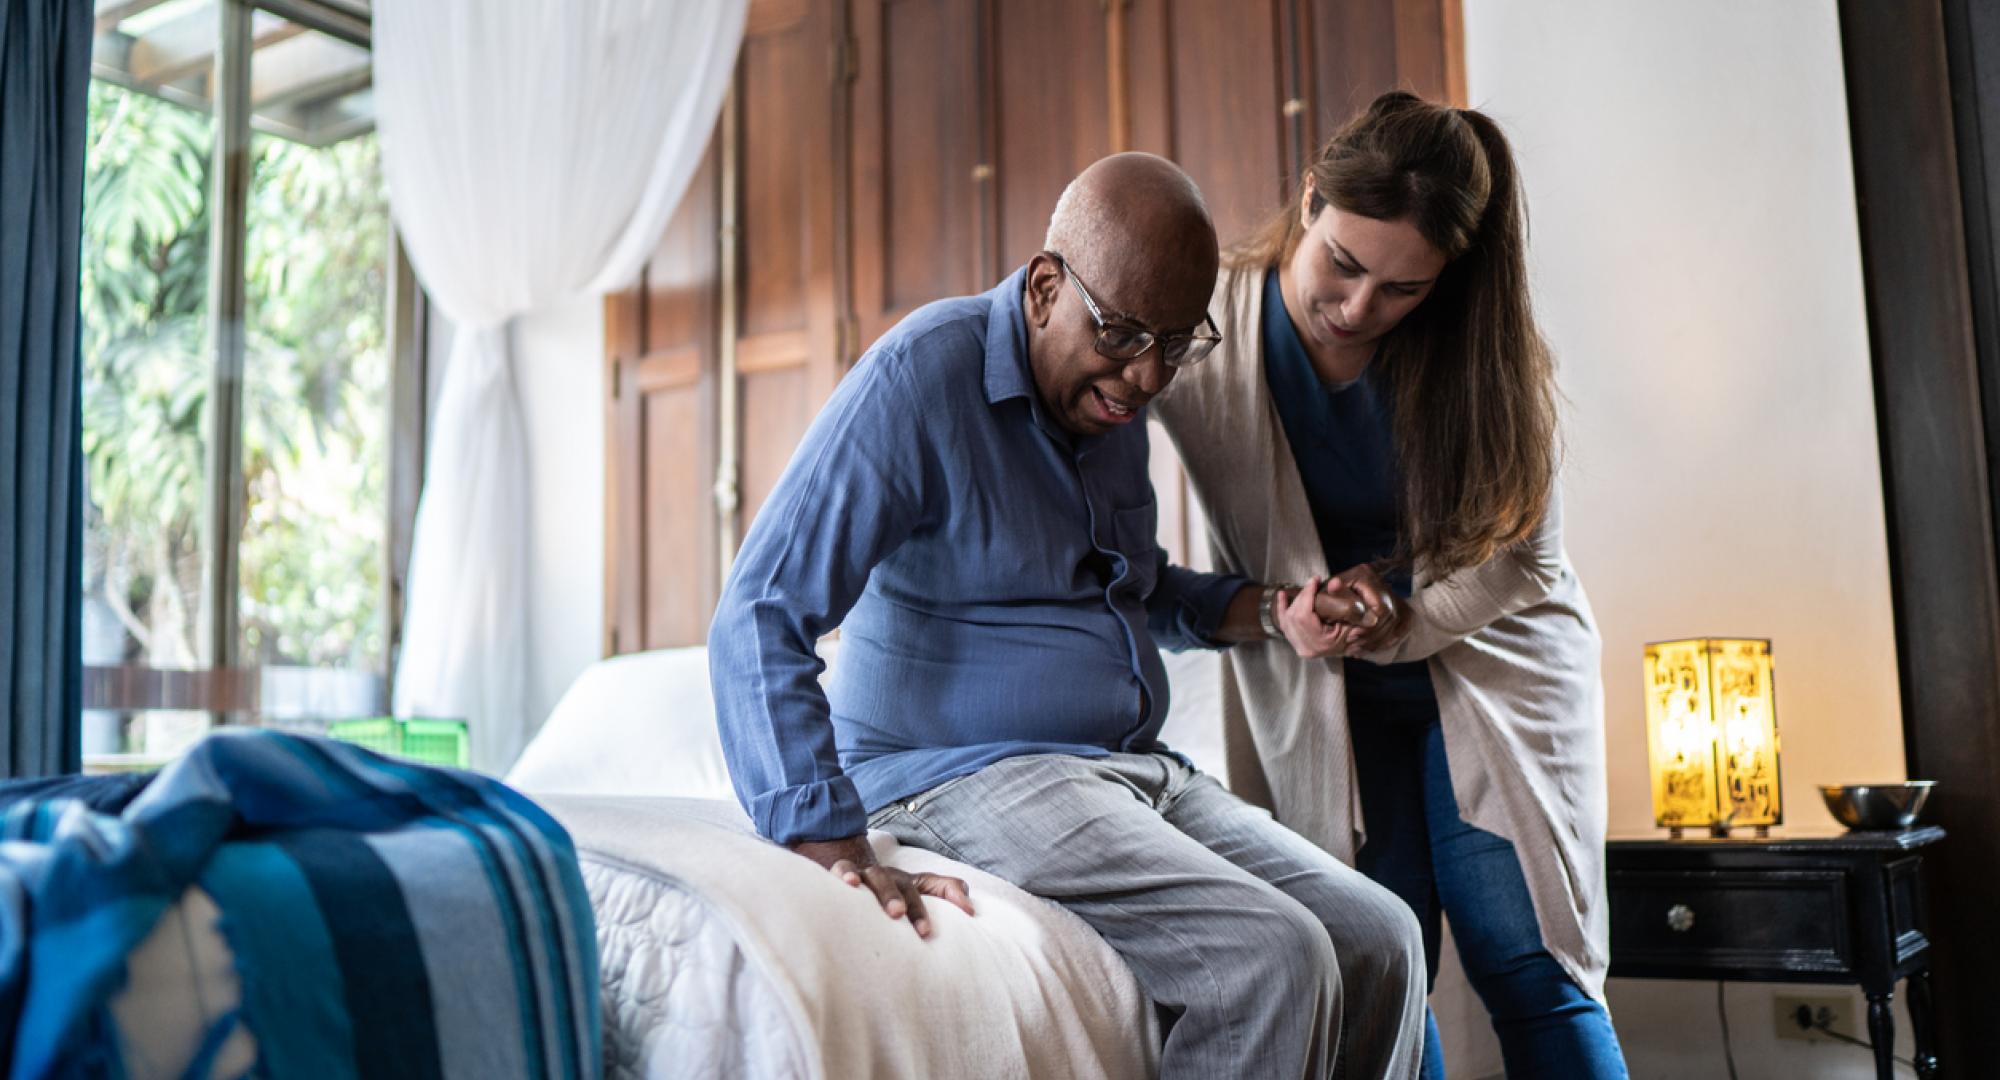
996,580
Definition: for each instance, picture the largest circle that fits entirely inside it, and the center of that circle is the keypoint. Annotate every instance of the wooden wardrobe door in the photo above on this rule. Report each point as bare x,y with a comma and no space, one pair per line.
1207,91
1051,114
921,180
661,563
1360,49
788,89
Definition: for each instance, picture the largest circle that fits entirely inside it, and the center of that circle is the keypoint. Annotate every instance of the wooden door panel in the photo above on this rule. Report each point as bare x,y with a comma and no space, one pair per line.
679,288
917,194
1362,48
1146,77
678,521
1052,114
1354,45
1422,53
1207,92
1228,109
787,88
929,190
661,565
777,407
776,77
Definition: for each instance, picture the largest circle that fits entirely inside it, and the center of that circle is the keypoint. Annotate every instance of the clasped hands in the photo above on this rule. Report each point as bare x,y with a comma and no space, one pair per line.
1349,614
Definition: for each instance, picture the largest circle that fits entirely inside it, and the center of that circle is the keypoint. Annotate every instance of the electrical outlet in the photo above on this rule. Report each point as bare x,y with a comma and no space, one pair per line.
1797,1015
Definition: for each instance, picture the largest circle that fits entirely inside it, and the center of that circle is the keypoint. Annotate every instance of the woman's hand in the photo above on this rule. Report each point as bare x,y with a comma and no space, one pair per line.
1322,619
1389,617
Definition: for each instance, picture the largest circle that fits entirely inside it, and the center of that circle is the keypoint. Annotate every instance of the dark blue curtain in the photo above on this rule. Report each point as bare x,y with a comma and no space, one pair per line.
44,76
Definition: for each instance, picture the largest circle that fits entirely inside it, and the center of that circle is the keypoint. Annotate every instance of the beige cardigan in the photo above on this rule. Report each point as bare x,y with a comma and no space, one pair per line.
1512,646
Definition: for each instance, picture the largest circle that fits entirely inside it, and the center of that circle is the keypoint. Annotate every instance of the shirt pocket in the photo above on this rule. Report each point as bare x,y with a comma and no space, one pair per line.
1136,531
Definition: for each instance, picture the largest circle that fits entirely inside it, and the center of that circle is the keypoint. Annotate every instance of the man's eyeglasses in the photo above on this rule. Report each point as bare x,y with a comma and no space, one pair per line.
1121,342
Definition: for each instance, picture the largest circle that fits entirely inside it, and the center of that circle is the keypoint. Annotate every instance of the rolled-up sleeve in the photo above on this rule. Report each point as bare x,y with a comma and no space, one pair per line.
853,492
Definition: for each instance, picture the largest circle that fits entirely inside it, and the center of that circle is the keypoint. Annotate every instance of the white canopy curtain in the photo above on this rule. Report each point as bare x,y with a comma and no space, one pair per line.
534,149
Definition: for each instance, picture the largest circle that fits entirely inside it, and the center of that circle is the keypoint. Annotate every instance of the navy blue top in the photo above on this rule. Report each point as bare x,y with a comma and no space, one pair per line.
996,580
1343,439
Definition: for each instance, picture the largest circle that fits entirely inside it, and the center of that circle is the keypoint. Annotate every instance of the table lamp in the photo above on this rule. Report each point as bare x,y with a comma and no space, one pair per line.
1712,735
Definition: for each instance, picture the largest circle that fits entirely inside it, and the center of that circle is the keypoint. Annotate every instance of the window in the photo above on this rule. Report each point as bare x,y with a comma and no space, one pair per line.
238,374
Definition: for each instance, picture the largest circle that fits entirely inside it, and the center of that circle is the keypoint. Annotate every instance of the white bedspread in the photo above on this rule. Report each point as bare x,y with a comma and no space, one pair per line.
726,955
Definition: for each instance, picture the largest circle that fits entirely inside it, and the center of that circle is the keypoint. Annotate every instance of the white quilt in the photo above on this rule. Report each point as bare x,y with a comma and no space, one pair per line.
725,955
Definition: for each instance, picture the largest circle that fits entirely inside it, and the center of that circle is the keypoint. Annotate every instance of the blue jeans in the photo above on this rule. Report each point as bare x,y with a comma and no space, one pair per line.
1423,852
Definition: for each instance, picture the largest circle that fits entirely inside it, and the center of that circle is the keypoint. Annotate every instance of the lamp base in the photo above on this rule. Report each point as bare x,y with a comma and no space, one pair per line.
1717,830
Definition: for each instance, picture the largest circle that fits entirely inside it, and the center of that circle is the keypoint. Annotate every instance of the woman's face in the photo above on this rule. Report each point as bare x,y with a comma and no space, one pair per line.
1354,278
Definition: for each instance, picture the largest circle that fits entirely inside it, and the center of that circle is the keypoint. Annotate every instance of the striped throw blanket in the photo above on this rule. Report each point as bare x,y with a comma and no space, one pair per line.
386,919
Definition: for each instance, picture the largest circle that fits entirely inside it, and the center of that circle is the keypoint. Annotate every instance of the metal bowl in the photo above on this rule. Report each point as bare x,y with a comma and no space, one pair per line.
1877,806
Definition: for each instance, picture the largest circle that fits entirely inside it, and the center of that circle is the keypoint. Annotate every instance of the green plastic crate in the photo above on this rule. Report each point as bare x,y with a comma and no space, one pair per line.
432,742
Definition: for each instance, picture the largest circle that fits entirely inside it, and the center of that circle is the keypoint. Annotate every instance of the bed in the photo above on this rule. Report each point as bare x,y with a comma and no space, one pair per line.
724,955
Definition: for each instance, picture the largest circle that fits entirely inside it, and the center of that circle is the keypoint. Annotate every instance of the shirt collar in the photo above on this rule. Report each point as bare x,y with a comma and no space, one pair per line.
1007,342
1007,369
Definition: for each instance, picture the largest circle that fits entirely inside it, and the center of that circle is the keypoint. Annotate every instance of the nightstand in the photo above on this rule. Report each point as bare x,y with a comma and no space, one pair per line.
1845,908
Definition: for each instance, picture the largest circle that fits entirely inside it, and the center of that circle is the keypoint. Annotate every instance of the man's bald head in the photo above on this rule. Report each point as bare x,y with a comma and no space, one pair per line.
1133,208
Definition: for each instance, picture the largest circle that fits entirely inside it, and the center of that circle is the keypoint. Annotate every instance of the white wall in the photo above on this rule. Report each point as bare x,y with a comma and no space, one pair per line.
1697,265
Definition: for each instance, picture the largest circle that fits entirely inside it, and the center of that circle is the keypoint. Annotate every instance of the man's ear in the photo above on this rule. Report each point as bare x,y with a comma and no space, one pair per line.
1044,285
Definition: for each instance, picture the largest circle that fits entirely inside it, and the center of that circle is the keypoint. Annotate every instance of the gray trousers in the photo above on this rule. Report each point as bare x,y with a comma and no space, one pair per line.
1266,955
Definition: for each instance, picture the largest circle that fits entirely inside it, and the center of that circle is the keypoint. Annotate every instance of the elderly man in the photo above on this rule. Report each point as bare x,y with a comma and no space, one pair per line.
973,509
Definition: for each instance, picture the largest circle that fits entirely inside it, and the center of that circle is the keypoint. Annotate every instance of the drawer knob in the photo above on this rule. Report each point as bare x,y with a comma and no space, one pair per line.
1680,918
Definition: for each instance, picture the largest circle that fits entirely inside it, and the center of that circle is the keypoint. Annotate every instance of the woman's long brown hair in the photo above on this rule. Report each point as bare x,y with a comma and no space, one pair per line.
1471,378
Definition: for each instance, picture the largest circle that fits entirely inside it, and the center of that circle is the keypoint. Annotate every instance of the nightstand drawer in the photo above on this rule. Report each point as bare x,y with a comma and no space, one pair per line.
1702,923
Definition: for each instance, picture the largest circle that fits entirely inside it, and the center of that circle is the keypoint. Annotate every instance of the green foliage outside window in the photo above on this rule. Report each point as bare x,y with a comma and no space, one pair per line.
316,376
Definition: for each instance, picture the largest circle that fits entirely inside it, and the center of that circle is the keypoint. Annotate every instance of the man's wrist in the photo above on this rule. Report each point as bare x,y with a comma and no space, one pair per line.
854,849
1267,609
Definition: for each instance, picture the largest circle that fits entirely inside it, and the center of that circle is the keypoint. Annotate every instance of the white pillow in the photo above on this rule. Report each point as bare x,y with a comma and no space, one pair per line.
644,724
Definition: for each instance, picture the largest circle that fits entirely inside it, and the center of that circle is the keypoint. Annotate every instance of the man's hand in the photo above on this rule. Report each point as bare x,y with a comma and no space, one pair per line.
900,893
1388,618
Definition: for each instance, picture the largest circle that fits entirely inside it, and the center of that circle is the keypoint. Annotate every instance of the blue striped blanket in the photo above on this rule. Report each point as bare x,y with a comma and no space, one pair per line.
386,919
